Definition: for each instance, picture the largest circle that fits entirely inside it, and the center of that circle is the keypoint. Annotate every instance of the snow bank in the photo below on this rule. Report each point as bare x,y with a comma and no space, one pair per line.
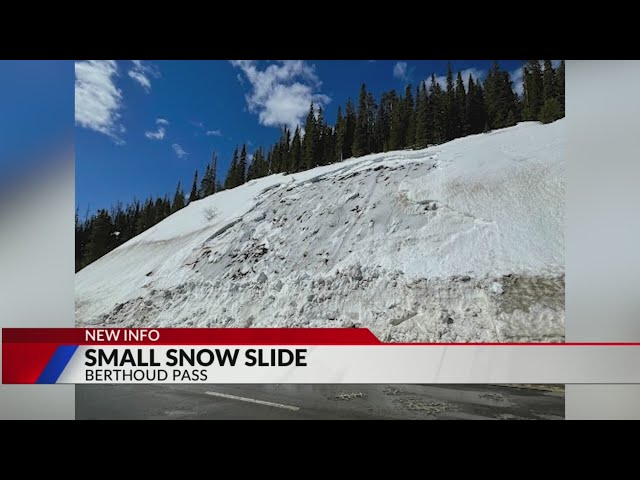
458,242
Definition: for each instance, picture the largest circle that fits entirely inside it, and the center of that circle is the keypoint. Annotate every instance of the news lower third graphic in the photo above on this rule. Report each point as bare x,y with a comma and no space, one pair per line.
305,355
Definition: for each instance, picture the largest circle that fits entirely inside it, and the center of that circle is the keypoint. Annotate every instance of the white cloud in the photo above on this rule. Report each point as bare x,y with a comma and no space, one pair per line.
282,92
400,71
142,72
207,132
476,73
97,99
517,77
440,80
160,132
179,150
157,135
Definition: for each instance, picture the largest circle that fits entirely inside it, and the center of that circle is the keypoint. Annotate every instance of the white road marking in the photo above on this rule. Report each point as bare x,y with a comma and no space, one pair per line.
253,400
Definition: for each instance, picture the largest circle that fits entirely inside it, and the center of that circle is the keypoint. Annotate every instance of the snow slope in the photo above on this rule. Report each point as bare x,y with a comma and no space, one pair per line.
458,242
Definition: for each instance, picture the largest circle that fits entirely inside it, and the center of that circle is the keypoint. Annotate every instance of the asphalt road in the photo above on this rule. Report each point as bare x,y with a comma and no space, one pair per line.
319,402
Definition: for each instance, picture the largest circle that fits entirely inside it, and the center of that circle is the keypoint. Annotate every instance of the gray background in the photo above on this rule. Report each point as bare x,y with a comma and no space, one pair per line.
37,273
603,231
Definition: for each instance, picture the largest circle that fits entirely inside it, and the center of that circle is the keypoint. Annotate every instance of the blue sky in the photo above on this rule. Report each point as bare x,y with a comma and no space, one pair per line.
36,111
143,125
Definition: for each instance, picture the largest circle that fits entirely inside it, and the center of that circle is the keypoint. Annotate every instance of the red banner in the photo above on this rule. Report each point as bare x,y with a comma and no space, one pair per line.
191,336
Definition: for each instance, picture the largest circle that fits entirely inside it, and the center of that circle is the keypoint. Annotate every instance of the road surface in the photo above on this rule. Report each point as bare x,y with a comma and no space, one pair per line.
318,402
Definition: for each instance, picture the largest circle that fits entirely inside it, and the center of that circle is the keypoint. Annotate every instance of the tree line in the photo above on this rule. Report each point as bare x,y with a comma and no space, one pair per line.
100,233
429,115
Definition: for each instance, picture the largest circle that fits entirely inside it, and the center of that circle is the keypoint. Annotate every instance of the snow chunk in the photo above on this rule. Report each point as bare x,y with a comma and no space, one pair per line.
261,278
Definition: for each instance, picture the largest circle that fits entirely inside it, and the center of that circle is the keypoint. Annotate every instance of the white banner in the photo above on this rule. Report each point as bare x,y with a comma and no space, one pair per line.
386,363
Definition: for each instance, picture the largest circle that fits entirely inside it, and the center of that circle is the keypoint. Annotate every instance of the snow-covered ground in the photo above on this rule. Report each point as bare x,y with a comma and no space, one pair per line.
458,242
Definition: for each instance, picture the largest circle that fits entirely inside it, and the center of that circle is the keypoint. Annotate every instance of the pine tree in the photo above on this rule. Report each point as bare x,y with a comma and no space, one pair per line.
532,89
280,157
474,107
397,134
422,117
372,111
141,220
267,162
560,87
549,88
167,206
204,184
451,113
511,101
101,236
149,213
286,149
340,132
379,134
232,173
388,103
122,224
262,167
350,128
119,218
158,210
81,240
360,143
193,196
491,95
437,107
208,184
329,145
252,169
501,101
320,138
408,117
461,106
135,218
309,141
483,123
296,151
242,167
414,119
276,158
178,200
551,110
213,175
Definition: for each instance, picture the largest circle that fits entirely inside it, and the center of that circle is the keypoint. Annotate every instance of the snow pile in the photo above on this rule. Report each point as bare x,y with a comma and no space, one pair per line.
458,242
